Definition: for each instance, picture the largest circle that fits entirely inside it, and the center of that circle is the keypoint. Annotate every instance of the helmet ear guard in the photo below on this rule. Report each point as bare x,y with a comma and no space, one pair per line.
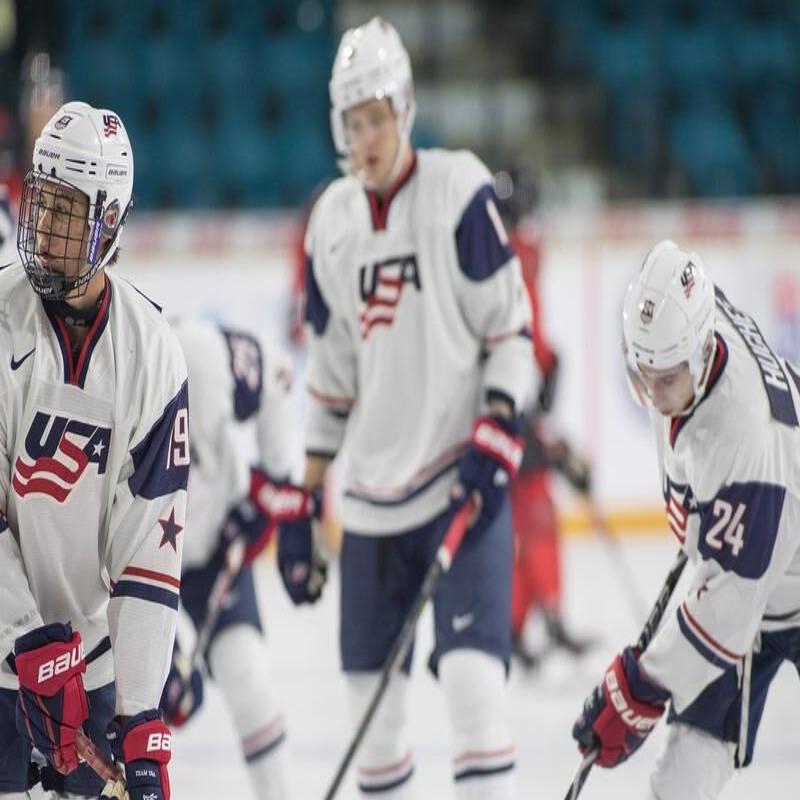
668,314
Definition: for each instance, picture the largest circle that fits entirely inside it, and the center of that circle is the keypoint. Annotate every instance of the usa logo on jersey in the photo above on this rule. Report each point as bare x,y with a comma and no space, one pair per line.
58,452
381,286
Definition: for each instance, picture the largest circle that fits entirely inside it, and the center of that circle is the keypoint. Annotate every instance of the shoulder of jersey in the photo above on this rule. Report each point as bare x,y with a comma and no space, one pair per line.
141,318
12,277
459,174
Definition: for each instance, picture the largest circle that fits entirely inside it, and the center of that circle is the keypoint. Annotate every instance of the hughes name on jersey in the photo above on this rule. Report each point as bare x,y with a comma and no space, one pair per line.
417,309
732,489
94,464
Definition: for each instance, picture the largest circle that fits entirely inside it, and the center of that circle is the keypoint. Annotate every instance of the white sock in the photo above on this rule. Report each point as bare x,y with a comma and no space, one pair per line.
238,660
474,685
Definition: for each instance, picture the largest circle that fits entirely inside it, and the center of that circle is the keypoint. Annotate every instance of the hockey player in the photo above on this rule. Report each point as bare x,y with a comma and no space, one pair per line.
537,557
233,380
95,459
725,409
419,360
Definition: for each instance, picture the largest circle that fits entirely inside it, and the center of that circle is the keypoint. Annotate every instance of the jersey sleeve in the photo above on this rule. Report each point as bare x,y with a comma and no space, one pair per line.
492,292
146,534
275,422
747,537
331,373
19,612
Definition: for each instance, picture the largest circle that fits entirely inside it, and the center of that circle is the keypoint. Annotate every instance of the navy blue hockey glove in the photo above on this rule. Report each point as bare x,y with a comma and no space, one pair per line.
143,744
488,466
181,697
620,713
302,568
51,704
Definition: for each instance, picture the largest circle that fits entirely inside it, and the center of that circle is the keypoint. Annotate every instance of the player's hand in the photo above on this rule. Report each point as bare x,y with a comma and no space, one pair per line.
620,713
181,697
488,466
144,745
252,518
302,568
51,704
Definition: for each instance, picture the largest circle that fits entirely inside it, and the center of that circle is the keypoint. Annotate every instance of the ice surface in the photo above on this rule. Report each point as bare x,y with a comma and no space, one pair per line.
304,667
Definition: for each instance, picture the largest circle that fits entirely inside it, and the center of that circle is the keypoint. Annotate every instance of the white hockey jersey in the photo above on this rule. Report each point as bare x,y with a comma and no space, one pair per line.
417,309
731,474
94,459
240,392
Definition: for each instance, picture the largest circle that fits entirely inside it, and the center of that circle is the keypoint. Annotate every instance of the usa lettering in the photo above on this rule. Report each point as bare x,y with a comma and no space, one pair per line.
393,271
58,666
48,432
159,742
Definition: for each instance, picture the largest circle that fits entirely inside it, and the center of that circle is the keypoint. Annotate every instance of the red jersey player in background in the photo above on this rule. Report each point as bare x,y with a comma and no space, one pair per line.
537,562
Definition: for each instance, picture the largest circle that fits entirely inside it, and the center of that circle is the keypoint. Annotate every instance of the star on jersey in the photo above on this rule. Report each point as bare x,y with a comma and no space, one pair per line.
171,530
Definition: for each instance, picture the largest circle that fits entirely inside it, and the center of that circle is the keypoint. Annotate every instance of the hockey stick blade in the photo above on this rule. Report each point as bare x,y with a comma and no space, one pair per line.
645,637
441,563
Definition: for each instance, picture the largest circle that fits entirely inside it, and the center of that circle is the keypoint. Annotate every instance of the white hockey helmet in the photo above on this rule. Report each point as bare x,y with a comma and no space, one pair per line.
668,314
86,149
371,63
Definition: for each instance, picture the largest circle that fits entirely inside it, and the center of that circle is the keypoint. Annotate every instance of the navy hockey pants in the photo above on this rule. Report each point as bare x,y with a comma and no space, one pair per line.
381,576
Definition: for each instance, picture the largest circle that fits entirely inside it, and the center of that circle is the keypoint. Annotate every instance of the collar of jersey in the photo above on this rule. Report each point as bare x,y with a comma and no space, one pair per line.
379,206
76,366
677,424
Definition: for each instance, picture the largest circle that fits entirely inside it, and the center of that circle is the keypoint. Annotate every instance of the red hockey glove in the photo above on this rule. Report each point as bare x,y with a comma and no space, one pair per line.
489,465
620,713
51,704
255,518
144,744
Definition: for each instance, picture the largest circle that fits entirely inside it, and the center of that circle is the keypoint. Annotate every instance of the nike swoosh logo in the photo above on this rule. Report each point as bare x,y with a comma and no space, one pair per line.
17,364
462,622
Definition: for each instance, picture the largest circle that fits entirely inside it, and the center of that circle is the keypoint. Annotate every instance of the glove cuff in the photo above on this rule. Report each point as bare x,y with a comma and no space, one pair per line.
499,439
146,738
48,657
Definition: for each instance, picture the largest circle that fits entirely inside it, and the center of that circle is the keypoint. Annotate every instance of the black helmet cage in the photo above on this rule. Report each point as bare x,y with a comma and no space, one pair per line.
71,279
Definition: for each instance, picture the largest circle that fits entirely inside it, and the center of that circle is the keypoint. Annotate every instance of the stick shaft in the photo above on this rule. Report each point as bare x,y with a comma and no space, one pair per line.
645,637
440,565
96,758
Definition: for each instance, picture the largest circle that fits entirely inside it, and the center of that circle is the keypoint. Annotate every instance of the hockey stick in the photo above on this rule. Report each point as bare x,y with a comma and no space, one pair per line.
96,759
441,564
645,637
234,560
616,555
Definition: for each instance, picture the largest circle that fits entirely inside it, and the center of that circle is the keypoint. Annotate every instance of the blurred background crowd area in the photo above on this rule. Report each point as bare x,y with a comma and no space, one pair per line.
227,102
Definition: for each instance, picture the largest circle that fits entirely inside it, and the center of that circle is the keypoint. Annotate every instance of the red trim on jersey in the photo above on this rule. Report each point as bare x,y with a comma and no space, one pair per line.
706,637
379,206
677,424
94,334
141,572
